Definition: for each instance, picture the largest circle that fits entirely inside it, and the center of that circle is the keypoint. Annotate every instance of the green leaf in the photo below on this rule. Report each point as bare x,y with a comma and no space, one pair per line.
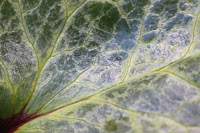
95,66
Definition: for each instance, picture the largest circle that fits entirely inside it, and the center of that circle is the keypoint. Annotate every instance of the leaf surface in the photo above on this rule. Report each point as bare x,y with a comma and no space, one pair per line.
99,66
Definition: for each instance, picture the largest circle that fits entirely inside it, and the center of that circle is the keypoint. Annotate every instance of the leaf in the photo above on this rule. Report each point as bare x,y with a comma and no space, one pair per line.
99,66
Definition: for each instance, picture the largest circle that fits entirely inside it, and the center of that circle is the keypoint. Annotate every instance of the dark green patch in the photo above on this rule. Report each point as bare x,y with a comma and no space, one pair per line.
6,102
11,37
24,92
106,7
127,7
104,15
146,80
86,109
122,90
84,57
76,37
106,24
29,4
73,3
80,53
190,67
35,19
33,22
56,17
114,15
92,44
94,9
7,11
44,42
108,21
73,37
126,119
45,6
80,21
110,95
14,23
54,13
93,53
110,126
122,26
141,2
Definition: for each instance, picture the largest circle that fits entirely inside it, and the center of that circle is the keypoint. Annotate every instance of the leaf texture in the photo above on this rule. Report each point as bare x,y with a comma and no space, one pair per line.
99,66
